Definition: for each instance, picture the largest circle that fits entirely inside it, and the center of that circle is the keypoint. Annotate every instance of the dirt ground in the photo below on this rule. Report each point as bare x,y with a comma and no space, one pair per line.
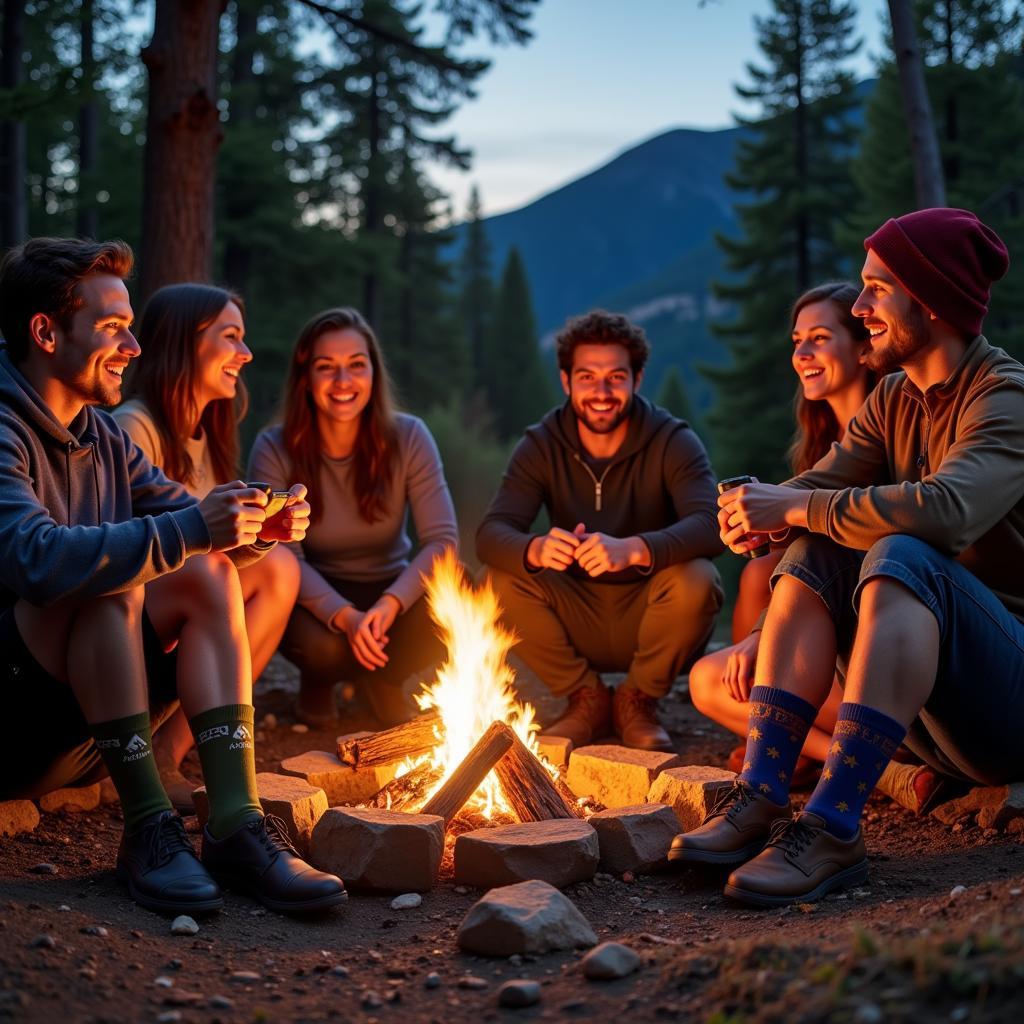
74,948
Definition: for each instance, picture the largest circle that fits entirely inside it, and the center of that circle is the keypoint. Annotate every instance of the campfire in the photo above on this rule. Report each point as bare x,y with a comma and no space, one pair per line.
473,751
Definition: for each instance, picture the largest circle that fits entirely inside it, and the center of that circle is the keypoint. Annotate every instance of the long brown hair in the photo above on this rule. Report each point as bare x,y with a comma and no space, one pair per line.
169,333
817,427
374,455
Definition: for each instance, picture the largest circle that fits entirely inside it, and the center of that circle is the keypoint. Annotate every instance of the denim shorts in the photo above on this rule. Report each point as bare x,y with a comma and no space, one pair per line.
971,725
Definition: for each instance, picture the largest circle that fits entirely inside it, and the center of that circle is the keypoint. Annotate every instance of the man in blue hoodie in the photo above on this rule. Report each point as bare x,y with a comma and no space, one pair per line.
85,522
621,581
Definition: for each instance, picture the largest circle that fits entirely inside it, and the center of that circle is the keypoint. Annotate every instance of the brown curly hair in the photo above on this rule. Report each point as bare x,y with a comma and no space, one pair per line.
600,327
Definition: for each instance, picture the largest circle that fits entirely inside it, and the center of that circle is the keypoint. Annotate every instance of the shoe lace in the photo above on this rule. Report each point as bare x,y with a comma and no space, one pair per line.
730,801
791,835
167,838
633,702
273,834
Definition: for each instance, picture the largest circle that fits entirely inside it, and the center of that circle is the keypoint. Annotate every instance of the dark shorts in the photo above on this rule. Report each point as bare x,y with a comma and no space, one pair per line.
971,725
47,743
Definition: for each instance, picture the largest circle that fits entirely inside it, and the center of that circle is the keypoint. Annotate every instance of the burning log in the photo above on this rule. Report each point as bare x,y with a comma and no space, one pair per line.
532,793
414,738
464,781
408,791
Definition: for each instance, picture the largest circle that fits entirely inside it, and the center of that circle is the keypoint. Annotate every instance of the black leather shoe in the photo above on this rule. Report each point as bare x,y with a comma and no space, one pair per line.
161,871
258,859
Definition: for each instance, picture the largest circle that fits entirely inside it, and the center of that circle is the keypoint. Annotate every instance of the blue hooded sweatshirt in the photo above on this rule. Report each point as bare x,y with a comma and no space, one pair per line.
82,511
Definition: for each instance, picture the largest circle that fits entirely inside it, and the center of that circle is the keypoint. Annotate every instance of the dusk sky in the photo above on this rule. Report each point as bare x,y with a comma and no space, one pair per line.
600,76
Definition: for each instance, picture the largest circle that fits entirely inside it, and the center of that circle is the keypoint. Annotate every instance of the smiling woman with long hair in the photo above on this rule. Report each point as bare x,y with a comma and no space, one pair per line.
829,349
359,616
188,398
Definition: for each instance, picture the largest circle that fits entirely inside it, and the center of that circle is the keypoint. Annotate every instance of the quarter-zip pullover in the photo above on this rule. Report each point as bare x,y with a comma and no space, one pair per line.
946,467
659,486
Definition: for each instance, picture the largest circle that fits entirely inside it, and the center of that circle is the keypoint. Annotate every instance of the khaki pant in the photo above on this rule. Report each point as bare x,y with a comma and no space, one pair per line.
571,629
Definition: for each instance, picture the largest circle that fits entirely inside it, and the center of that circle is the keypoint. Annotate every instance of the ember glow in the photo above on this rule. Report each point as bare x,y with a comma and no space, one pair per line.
475,685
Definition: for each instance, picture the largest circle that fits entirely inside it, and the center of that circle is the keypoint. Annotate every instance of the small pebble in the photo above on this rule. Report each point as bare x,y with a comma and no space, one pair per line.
43,869
407,901
957,890
244,976
221,1003
471,981
64,908
339,971
519,993
164,982
371,1000
269,721
432,980
95,929
394,996
184,925
628,876
44,942
868,1013
1016,892
300,727
169,1017
609,960
461,890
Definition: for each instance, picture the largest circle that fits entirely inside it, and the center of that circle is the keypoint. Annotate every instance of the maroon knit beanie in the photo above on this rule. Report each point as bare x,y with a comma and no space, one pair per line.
947,259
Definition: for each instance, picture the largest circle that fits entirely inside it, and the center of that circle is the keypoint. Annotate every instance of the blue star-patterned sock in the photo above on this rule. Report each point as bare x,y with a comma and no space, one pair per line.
863,743
779,722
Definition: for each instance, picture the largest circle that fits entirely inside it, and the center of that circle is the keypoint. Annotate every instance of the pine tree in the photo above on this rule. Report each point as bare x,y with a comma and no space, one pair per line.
794,168
477,289
672,396
515,380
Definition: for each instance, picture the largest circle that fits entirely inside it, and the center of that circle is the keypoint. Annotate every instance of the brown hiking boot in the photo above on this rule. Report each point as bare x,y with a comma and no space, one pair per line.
587,718
802,862
635,720
735,829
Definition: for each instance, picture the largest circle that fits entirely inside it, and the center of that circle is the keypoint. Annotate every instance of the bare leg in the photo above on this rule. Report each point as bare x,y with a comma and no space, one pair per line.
754,593
711,698
895,653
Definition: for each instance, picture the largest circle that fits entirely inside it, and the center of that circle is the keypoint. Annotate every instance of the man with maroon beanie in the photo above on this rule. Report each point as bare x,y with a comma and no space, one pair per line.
911,573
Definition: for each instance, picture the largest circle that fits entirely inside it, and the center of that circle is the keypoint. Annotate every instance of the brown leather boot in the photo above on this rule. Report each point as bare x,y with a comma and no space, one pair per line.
635,719
587,718
802,862
735,829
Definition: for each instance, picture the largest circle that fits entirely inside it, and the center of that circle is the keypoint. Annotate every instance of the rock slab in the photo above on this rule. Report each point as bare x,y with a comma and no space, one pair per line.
995,806
635,838
298,804
387,851
558,852
609,961
556,749
689,791
17,816
341,783
530,917
73,799
616,776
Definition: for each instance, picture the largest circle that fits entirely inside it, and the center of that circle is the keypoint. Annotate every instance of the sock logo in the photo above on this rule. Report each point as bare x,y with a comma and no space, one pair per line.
242,737
242,733
213,733
108,744
136,749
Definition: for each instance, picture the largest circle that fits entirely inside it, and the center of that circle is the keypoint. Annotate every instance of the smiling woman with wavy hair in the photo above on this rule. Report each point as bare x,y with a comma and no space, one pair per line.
360,612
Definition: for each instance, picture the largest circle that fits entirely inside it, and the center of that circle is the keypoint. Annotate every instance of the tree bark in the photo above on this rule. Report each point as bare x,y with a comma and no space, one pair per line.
420,735
13,151
531,792
87,214
929,181
182,136
803,230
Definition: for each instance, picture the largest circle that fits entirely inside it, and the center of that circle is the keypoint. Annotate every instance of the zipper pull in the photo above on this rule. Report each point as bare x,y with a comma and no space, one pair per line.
597,496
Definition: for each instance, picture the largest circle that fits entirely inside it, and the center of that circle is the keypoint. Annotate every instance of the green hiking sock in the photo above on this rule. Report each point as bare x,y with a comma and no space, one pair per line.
224,739
126,746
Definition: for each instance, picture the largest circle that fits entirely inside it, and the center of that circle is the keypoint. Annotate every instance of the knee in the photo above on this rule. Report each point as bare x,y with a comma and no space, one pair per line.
902,550
208,583
692,586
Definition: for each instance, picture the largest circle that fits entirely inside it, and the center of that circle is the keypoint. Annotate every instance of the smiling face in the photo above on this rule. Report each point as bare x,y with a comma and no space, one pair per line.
897,323
91,355
221,353
826,357
601,386
340,377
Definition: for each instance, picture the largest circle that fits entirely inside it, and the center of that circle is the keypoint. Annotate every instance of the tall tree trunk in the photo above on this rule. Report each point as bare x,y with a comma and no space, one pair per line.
371,199
182,135
951,164
13,151
803,232
237,253
929,182
87,215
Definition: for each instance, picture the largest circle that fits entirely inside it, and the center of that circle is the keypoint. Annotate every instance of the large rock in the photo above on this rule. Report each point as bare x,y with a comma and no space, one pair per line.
616,776
531,917
72,799
388,851
341,783
17,816
635,838
689,791
298,804
556,749
995,806
558,852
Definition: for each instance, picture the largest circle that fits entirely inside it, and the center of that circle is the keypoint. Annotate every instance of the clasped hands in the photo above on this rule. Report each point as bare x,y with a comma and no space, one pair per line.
235,516
367,631
746,514
596,553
